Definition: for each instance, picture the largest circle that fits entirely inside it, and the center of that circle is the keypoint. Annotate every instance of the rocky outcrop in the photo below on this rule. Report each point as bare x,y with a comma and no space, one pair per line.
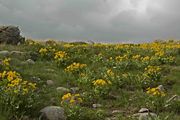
10,35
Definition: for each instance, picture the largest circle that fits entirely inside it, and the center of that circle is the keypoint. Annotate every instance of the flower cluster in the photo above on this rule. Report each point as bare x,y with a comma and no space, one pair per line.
160,53
5,63
110,72
121,58
152,69
152,72
46,51
155,91
11,81
136,57
43,51
72,99
74,67
145,59
60,55
101,82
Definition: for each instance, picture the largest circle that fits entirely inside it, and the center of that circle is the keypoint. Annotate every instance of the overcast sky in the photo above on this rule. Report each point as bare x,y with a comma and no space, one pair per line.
97,20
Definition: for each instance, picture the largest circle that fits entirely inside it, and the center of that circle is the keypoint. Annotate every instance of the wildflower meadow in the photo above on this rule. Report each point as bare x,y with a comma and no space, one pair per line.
90,81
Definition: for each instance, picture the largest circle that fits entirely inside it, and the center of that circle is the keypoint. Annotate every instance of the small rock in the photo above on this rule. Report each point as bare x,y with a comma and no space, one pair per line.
147,116
4,53
97,105
117,111
50,82
30,61
52,113
62,90
16,53
161,88
143,110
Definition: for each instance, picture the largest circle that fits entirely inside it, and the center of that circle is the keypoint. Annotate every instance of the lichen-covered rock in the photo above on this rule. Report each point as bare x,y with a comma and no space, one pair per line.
10,35
52,113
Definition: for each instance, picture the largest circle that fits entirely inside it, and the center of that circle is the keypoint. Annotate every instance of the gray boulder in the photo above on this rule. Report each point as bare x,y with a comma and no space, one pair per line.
4,53
52,113
10,35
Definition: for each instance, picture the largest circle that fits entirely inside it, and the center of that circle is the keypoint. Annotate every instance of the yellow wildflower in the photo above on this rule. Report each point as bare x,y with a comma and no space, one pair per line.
110,72
101,82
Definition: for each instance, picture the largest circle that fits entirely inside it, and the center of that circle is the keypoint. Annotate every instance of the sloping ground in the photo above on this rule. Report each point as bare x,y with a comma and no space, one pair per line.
99,80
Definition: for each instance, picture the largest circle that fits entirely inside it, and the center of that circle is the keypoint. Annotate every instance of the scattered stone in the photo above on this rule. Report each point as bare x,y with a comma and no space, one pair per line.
62,90
30,61
145,114
17,53
97,105
52,113
4,53
10,35
143,110
117,111
50,82
74,89
161,88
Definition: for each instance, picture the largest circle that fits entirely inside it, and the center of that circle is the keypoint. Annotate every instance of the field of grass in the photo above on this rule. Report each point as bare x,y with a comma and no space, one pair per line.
119,79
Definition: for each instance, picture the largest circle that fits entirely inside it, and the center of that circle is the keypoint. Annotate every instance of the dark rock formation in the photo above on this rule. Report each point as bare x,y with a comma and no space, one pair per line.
10,35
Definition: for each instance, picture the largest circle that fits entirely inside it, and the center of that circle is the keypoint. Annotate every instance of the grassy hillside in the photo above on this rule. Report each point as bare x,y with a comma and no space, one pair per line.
119,79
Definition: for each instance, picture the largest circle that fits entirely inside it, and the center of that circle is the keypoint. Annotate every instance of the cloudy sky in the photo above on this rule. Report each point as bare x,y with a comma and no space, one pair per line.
97,20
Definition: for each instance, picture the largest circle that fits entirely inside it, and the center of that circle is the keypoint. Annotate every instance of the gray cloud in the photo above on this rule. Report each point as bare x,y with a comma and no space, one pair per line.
98,20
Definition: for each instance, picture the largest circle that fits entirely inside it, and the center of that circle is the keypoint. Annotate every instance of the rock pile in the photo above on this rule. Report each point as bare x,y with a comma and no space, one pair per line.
10,35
